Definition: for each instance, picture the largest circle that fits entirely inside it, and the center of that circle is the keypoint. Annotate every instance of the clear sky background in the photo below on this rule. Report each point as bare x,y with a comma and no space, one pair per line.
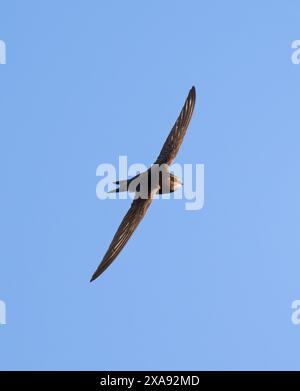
87,81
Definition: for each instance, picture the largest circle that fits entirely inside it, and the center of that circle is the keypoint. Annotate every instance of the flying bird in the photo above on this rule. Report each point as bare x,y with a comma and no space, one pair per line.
156,180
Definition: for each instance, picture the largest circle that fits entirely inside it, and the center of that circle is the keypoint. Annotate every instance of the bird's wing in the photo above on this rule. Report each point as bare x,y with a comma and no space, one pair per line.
175,138
129,223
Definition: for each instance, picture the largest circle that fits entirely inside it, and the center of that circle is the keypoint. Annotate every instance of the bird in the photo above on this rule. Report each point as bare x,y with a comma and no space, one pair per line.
156,180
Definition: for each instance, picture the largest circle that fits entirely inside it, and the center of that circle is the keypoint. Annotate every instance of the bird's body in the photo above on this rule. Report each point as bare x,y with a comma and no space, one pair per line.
142,184
156,180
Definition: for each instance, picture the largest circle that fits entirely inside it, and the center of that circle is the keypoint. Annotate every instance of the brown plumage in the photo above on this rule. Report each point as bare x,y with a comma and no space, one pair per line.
167,182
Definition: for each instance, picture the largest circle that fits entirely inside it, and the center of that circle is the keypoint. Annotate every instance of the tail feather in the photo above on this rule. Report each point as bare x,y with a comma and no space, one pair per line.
114,190
123,184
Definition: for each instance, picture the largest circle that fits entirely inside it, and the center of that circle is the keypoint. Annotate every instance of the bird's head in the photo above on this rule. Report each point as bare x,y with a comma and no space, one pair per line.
177,182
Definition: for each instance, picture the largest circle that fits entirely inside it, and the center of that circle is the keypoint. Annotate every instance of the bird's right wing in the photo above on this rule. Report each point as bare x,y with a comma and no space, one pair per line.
175,138
129,223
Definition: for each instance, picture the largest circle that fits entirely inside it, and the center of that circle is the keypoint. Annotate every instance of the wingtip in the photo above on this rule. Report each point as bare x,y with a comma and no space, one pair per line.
96,274
93,278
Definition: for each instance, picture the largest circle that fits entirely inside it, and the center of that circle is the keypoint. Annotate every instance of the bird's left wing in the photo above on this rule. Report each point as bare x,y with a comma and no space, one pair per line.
175,138
129,223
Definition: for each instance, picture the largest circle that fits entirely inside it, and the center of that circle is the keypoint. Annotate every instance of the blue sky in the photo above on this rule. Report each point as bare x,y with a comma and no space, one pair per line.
88,81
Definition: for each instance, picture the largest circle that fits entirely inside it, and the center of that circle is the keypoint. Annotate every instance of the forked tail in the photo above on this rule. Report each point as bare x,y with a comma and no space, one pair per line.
123,185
